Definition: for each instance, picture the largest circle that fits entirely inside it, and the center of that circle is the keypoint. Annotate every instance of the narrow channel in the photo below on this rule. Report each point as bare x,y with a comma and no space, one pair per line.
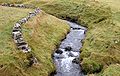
66,57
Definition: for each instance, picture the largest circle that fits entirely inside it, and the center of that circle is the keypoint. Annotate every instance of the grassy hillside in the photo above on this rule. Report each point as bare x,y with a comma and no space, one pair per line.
42,33
102,43
101,50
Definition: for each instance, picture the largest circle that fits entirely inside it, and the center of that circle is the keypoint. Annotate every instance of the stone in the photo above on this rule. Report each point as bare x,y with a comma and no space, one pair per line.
28,18
17,27
11,5
20,40
75,60
76,28
58,51
32,60
68,48
16,34
31,14
37,11
23,46
24,20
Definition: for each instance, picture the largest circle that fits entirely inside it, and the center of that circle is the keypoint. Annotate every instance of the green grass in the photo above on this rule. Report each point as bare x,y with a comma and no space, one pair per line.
101,46
42,33
112,70
8,51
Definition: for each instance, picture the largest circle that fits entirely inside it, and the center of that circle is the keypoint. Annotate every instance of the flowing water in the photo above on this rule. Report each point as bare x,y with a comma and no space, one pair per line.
66,57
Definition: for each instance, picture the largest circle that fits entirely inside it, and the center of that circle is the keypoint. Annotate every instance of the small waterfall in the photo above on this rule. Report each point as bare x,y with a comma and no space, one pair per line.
66,57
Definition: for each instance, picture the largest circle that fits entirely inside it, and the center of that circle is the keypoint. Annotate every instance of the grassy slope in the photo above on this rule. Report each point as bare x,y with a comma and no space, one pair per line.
43,33
102,43
8,16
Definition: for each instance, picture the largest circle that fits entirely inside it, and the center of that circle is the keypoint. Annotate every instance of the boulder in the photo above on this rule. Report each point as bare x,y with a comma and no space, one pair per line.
58,51
68,48
75,60
16,34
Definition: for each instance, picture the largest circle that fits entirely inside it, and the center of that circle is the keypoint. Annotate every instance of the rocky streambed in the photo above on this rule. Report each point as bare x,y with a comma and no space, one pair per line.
66,57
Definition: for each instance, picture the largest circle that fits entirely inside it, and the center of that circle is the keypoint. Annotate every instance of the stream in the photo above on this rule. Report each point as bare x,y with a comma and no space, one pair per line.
66,57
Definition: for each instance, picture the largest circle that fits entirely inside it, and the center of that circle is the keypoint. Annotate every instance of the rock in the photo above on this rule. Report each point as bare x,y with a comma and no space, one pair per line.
11,5
76,60
58,51
24,20
31,14
68,48
16,34
32,60
26,49
17,27
20,5
37,10
76,28
19,40
73,54
28,18
22,44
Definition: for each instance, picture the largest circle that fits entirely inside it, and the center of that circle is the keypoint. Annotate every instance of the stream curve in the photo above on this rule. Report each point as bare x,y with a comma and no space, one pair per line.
66,57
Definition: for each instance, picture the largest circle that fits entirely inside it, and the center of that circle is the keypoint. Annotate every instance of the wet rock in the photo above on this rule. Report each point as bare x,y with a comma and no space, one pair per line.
68,48
58,51
76,60
76,28
28,18
71,55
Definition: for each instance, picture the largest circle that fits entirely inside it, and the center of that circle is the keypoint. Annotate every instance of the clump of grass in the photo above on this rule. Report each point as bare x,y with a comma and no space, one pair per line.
112,70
